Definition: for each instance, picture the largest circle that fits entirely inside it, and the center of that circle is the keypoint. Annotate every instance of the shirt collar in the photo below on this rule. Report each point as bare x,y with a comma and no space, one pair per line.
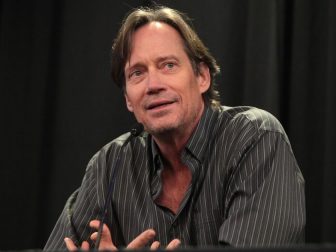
199,140
203,134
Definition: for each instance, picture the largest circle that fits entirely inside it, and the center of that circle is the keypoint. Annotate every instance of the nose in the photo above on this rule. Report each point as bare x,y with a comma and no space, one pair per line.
154,82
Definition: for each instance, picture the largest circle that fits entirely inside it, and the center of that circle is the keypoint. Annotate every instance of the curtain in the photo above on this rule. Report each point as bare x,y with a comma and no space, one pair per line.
59,105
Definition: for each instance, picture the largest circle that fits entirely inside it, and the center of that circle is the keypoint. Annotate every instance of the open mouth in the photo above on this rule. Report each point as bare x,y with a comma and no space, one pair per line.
158,105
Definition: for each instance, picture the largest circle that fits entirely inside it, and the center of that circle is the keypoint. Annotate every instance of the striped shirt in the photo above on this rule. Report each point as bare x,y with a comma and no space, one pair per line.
246,188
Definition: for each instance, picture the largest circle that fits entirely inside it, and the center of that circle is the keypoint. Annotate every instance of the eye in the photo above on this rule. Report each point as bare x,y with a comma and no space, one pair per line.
169,66
135,73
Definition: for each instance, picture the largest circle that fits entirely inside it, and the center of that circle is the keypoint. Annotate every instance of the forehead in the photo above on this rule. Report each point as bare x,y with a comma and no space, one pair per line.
156,38
156,30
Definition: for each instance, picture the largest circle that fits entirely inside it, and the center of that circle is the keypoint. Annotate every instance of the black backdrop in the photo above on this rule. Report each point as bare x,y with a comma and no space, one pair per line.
59,106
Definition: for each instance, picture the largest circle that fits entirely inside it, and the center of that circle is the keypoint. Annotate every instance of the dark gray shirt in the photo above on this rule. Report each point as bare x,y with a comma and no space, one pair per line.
246,189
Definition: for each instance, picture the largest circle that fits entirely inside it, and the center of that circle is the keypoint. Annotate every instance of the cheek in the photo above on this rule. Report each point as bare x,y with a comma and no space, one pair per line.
129,98
133,100
128,104
193,93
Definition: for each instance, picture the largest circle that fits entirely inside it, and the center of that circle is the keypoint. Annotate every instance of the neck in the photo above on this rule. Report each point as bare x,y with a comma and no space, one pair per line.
171,144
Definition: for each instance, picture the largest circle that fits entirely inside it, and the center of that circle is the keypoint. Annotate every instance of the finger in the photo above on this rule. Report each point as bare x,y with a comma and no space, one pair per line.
85,245
94,224
155,245
70,244
173,244
93,237
106,242
141,240
105,232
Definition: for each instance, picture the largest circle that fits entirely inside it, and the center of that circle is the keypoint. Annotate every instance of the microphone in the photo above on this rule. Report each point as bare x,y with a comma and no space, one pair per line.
134,132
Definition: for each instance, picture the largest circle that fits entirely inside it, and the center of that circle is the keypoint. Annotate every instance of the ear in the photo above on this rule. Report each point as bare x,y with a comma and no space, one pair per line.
203,77
128,103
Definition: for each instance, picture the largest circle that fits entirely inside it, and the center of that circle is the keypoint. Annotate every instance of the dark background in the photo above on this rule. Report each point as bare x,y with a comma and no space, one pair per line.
59,106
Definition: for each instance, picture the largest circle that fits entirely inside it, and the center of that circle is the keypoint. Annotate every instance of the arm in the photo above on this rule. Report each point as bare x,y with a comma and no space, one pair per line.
265,200
77,225
81,207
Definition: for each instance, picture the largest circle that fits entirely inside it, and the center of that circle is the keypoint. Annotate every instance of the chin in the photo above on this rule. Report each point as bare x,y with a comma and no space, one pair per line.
161,128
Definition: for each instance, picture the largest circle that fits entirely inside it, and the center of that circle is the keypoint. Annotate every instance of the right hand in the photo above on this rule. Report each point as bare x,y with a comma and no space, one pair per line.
106,242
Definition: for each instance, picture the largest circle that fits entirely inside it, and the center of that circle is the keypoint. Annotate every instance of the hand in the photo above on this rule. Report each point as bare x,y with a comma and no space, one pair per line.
106,242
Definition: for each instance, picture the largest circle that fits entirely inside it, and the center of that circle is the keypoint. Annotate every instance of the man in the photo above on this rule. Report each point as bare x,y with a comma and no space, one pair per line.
200,174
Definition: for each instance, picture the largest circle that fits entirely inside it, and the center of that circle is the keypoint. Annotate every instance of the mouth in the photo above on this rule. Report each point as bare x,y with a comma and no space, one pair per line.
158,104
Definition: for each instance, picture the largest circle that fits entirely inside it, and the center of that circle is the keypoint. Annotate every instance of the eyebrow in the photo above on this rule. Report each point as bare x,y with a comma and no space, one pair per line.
168,57
129,67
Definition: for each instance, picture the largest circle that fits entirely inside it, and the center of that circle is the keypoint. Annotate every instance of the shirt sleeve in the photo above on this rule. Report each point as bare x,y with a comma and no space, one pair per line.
265,198
82,206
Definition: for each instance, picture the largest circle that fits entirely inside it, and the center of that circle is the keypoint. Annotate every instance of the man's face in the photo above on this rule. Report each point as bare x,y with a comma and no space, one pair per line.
162,89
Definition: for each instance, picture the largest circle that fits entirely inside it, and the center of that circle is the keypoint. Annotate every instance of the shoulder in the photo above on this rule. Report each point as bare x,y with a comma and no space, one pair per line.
259,119
246,125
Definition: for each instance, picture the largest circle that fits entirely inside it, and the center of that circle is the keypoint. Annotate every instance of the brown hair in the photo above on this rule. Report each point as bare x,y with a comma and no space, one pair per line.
194,47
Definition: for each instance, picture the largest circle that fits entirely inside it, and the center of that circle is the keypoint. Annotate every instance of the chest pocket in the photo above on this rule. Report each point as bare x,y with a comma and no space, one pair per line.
206,226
